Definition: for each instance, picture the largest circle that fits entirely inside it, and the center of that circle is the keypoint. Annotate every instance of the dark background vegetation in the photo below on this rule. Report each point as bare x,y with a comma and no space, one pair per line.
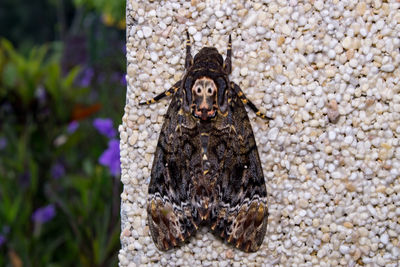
62,92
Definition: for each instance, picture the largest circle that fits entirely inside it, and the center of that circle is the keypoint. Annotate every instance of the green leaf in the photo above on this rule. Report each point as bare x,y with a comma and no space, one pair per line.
10,207
10,74
69,79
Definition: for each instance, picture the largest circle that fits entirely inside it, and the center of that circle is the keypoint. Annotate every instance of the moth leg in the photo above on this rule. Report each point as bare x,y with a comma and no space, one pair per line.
189,59
228,59
247,101
169,92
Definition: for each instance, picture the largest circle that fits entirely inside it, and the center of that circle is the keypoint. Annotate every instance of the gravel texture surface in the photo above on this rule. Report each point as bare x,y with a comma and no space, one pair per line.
328,72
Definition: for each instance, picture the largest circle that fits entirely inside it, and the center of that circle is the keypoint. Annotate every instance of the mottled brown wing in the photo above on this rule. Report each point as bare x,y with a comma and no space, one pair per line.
240,216
171,216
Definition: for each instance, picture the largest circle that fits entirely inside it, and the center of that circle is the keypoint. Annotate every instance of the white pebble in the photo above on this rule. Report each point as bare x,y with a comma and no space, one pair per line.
332,135
348,139
152,13
302,21
137,245
261,30
295,16
280,78
353,63
387,68
336,175
379,24
286,29
197,37
244,71
347,42
363,32
192,30
253,31
321,163
331,54
319,4
302,213
384,238
344,249
154,56
273,134
147,31
372,210
321,253
250,20
174,60
219,13
396,252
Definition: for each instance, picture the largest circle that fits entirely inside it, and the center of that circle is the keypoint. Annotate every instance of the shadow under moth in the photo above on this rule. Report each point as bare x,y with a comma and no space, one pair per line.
206,168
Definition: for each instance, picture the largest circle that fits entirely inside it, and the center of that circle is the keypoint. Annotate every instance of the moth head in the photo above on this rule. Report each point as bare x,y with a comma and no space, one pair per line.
210,55
204,98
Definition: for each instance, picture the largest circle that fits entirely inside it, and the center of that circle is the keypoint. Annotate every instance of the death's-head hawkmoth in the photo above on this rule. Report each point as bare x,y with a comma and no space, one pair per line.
206,168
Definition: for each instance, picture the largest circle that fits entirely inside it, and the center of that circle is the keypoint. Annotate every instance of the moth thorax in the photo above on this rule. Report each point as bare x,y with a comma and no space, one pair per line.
204,92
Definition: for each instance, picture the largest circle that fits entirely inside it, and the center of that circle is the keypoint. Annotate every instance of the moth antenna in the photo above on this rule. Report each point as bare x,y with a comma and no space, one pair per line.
189,59
228,59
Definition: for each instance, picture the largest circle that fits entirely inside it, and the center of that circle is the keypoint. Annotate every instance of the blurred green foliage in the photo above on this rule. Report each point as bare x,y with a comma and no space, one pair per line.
22,77
113,11
19,21
65,71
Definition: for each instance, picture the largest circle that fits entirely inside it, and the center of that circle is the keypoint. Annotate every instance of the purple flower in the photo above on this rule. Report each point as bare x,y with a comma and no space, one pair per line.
105,127
3,143
2,240
86,77
123,80
57,170
44,214
72,126
110,157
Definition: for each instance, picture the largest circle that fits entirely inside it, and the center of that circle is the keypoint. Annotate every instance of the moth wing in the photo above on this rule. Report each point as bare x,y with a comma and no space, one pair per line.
171,217
240,217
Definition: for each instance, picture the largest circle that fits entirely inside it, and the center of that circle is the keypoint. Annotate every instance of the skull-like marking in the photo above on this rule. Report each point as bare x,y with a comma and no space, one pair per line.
204,103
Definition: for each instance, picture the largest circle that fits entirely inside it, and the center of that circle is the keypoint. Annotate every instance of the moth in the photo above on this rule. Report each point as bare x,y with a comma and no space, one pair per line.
206,168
